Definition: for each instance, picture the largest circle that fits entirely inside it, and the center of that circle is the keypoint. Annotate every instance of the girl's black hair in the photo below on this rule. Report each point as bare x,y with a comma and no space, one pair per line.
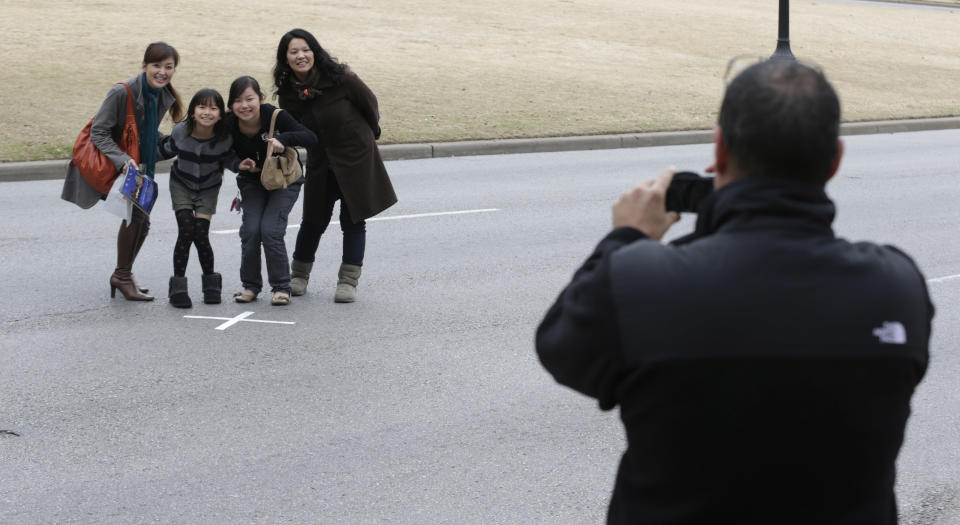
207,97
325,67
240,84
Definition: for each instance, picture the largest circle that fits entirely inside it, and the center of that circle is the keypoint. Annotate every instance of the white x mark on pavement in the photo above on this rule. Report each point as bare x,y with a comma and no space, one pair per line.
230,321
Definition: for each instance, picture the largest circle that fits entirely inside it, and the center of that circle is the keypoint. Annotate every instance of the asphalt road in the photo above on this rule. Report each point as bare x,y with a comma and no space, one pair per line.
421,403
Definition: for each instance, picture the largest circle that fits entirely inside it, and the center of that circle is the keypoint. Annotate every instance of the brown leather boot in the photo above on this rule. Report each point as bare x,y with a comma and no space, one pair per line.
122,278
144,230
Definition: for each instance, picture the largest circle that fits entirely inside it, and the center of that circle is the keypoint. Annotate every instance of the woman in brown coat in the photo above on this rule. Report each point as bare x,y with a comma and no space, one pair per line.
331,100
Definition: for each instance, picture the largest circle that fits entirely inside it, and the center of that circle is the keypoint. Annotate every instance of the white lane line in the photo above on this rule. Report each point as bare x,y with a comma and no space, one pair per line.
393,218
943,279
418,215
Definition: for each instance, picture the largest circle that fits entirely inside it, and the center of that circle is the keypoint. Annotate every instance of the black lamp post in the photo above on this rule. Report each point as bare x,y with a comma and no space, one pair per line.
783,39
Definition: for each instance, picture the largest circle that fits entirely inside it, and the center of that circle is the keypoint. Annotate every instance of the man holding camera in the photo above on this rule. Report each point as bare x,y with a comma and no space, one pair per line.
763,367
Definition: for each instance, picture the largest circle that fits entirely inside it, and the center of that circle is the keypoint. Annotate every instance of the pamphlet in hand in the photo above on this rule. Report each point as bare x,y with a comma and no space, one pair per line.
141,190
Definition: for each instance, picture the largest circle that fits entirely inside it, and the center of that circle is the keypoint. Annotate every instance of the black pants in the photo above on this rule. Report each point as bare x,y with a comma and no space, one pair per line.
319,197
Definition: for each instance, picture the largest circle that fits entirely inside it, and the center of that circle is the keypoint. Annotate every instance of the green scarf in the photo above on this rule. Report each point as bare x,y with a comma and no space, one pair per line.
149,126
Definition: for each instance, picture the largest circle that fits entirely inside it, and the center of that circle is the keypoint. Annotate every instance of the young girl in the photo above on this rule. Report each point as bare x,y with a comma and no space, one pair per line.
203,148
153,95
265,212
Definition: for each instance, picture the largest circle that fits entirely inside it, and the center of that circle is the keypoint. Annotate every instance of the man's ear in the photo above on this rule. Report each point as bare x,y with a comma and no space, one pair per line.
721,157
835,164
721,162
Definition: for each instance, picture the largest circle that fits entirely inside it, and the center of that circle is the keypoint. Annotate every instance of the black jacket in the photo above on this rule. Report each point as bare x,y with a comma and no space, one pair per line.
288,131
763,367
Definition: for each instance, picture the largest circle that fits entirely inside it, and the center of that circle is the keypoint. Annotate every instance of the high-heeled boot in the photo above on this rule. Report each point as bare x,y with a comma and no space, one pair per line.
122,278
144,230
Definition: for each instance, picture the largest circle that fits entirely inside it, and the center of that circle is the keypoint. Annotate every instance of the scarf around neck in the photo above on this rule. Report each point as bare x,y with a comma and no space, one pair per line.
307,89
149,135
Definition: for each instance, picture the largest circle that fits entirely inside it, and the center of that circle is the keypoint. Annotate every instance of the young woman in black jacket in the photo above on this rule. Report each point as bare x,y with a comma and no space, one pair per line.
265,211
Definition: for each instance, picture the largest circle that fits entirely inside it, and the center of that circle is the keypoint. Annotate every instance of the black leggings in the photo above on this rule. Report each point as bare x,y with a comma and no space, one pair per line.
192,231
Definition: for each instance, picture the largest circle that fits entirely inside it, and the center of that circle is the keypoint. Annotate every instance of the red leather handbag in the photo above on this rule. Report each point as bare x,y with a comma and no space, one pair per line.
96,168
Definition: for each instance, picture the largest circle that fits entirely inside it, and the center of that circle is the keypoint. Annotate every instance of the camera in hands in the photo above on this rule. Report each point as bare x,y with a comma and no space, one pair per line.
687,190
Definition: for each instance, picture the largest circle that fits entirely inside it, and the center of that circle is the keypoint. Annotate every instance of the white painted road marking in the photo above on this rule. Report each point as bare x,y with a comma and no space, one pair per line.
393,218
488,210
230,321
943,279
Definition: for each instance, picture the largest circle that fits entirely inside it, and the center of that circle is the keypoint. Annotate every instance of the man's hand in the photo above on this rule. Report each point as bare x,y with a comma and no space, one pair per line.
644,207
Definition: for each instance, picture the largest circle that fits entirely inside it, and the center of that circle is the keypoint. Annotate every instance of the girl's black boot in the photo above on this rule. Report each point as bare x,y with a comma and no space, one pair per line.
212,284
178,293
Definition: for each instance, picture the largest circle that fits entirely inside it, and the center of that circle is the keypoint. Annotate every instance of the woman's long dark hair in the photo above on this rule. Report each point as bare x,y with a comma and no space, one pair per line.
158,52
324,66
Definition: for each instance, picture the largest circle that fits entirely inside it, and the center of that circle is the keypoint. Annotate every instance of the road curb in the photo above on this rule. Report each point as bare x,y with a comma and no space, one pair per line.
55,169
899,126
928,3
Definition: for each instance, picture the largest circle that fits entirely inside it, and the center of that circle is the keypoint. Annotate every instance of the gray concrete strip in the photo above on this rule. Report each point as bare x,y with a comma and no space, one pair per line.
36,170
47,170
899,126
54,169
508,146
947,4
667,138
406,151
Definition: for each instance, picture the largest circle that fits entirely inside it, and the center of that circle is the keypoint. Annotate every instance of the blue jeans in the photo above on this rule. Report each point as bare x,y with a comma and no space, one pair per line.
265,223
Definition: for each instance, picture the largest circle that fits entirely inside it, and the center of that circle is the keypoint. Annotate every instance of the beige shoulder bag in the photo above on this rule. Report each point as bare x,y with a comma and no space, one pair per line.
280,171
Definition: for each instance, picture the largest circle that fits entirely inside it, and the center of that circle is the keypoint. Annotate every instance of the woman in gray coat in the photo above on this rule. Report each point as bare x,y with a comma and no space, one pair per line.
153,95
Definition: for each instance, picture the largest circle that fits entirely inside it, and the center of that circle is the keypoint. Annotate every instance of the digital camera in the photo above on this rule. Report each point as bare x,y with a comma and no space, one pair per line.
687,190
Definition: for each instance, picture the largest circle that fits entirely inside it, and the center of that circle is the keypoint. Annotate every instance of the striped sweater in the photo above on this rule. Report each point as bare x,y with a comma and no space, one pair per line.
200,163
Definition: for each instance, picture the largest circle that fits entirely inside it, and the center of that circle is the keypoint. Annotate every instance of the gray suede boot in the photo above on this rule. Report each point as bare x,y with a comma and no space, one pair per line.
299,276
348,277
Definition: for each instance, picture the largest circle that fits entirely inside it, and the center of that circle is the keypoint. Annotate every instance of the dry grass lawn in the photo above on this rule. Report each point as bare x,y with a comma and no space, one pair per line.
472,70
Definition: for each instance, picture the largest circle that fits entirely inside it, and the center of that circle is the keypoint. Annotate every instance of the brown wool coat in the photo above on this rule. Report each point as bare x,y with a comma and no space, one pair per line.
345,120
